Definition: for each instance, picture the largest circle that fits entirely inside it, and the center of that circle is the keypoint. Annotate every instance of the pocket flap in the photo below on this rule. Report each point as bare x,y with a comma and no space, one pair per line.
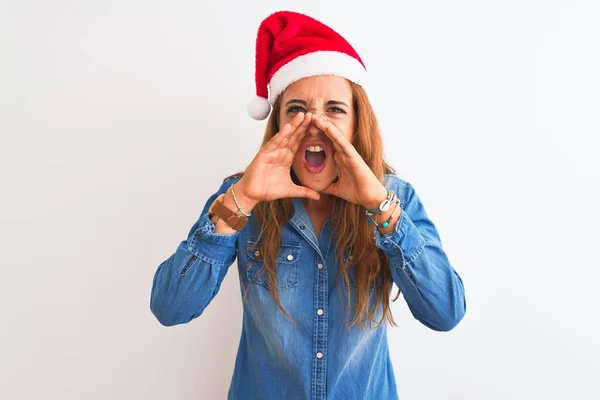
289,252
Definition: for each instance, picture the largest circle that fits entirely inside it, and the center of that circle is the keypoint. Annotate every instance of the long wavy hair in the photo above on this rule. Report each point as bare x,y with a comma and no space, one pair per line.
351,228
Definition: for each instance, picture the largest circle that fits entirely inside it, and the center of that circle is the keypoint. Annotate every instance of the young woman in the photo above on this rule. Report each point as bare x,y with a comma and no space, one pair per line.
321,226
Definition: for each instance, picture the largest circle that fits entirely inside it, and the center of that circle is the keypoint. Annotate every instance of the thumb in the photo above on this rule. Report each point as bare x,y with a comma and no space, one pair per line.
303,191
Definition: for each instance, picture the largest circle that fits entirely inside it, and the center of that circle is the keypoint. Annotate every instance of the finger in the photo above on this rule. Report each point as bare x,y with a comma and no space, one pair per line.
339,140
303,191
303,127
280,136
331,131
295,123
287,129
299,133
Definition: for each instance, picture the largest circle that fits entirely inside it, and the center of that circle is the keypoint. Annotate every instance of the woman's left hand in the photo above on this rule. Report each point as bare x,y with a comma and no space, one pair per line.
356,182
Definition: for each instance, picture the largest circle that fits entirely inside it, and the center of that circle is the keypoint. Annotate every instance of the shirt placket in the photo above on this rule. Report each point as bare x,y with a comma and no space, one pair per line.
319,368
301,221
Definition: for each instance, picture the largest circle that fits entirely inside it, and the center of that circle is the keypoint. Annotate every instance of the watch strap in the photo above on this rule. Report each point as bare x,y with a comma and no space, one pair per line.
232,219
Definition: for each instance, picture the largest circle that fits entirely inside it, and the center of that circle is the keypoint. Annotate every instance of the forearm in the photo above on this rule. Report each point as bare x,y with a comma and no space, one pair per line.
188,280
420,267
431,287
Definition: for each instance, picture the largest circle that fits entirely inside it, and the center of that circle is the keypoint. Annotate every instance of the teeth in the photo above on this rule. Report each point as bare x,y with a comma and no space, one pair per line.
315,149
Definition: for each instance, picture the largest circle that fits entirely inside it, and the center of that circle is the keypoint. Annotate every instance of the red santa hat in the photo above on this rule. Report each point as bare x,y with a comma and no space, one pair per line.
291,46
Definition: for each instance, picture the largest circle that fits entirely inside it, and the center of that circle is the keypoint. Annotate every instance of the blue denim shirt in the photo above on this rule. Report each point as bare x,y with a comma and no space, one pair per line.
318,358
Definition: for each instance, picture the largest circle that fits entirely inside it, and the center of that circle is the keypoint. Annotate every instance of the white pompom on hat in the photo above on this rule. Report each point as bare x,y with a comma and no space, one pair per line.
259,108
291,46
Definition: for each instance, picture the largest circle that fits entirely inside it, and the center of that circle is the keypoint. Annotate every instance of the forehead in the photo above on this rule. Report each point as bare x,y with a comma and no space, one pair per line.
317,88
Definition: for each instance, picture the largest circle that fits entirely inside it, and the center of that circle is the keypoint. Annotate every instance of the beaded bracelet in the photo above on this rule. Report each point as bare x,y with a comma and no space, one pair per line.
238,204
385,224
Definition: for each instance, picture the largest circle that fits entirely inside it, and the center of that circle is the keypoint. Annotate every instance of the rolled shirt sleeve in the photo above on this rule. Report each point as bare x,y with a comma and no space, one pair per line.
432,288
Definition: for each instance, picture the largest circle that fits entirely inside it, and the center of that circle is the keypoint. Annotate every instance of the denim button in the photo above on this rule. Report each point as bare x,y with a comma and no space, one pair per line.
302,227
320,311
257,253
290,257
319,355
320,266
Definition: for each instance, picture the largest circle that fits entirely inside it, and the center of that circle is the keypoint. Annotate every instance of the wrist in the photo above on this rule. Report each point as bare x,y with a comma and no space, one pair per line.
244,201
379,195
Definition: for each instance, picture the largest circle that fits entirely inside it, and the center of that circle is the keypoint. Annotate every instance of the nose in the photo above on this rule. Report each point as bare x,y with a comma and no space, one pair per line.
313,130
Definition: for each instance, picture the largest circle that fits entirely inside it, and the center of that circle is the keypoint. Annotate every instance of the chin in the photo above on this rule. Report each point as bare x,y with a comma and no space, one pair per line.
318,181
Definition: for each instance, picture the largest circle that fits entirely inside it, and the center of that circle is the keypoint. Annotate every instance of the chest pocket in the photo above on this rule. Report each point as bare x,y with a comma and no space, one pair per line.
288,264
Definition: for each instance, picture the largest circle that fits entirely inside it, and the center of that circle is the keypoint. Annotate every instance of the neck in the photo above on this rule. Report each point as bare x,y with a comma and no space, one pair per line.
321,205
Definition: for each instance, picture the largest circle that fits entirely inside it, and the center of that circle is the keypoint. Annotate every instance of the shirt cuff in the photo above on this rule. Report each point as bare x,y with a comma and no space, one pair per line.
214,248
405,241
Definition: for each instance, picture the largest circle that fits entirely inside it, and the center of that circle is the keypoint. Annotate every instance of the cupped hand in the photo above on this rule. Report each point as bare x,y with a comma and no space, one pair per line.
356,182
268,175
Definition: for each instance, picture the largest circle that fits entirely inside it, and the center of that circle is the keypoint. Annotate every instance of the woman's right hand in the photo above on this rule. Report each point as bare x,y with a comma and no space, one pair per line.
268,175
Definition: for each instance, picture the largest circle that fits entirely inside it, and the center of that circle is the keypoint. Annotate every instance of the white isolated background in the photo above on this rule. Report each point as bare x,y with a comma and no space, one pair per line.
118,119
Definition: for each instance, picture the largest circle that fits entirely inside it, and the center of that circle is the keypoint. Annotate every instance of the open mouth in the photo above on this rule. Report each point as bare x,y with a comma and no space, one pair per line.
315,158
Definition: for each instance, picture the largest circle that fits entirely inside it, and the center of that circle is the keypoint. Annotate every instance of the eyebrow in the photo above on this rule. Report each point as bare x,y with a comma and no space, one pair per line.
329,103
